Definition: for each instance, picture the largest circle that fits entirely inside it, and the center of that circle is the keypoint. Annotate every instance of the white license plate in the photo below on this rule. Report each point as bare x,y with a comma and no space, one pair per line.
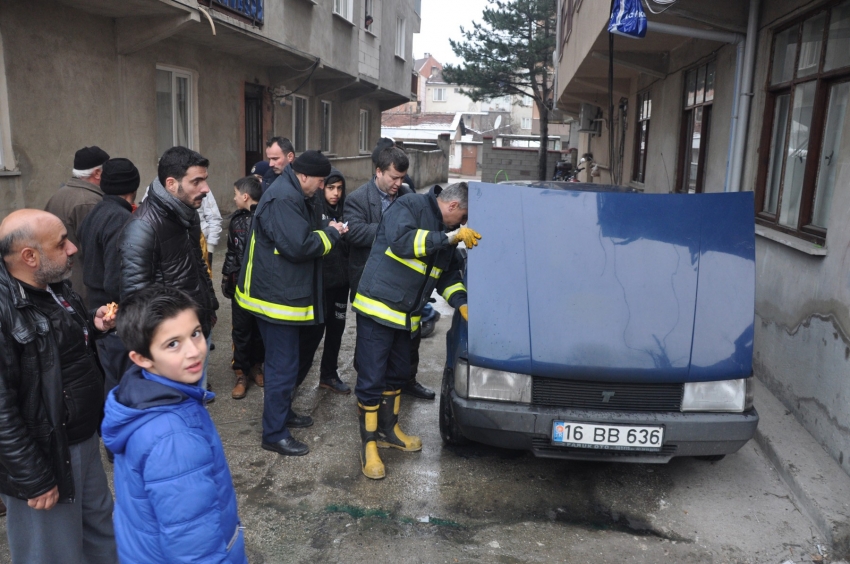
615,437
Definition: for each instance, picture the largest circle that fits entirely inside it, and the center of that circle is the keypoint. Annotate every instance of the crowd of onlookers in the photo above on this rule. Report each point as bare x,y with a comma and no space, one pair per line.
106,317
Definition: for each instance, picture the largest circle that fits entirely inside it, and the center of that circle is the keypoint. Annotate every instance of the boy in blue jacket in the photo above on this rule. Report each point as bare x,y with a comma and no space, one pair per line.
174,494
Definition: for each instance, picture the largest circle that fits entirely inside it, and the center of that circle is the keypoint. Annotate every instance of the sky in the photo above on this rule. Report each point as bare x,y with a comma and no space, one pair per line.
441,19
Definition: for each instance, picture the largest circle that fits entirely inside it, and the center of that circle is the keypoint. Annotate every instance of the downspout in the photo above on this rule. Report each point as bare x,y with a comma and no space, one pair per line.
745,100
744,62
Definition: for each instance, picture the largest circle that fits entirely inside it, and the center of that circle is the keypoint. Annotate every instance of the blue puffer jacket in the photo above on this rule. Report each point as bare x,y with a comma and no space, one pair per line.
174,497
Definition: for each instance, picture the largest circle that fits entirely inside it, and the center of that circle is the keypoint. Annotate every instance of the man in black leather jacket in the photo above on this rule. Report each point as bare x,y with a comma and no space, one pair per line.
51,400
160,245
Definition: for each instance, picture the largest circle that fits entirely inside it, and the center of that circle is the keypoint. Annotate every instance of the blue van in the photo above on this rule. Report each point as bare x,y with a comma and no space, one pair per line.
605,324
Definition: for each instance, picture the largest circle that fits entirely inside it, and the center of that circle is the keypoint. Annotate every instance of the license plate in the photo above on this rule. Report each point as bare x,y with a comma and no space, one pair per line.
614,437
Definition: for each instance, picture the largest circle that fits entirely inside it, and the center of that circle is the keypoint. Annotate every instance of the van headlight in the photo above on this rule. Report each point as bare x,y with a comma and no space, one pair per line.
724,395
486,383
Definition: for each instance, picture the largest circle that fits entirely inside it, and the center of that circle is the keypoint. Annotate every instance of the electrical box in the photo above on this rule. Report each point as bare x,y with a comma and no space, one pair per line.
588,121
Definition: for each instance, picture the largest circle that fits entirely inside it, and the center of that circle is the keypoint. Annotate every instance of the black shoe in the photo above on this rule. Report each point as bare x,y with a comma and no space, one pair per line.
299,421
417,390
287,447
335,385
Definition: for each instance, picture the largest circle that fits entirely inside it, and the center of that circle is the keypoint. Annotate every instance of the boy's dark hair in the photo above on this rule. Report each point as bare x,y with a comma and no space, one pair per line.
282,142
250,185
392,156
141,314
176,161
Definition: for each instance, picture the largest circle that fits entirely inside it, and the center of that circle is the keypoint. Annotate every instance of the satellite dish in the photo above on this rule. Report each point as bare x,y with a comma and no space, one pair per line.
498,122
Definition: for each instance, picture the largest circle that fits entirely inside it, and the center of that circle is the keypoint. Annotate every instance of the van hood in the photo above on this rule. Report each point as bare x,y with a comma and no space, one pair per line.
611,285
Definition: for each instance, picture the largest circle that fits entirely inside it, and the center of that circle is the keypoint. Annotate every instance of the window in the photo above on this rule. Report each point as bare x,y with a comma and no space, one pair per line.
567,7
364,131
343,8
7,156
369,16
326,127
805,116
526,123
439,94
174,105
299,123
400,39
644,103
696,126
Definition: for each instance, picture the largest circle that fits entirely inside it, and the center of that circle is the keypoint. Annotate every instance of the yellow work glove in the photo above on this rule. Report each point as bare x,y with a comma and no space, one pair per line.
464,311
469,236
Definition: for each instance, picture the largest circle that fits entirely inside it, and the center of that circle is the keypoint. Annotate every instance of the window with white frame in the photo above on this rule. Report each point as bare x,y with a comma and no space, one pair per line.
7,156
299,123
326,127
343,8
364,131
174,109
368,14
439,94
400,39
526,123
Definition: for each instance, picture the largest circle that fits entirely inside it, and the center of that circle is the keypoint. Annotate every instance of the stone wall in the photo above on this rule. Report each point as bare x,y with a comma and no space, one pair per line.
512,163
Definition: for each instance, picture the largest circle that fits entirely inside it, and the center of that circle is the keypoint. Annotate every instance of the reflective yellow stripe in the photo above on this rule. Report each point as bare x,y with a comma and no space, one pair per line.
250,269
419,243
415,264
274,311
447,293
325,241
377,309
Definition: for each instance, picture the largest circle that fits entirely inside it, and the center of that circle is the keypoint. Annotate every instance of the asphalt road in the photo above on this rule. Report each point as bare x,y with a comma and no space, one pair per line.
482,504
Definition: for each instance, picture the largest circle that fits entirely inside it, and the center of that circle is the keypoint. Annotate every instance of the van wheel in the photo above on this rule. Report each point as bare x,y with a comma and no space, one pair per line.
711,457
449,431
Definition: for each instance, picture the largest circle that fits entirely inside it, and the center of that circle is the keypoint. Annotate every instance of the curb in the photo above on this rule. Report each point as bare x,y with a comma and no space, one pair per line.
818,483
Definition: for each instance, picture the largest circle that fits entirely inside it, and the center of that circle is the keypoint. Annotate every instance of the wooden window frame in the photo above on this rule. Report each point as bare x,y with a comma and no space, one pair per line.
824,81
639,164
685,143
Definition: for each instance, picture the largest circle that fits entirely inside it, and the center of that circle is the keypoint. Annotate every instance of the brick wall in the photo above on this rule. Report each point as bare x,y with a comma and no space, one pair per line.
512,163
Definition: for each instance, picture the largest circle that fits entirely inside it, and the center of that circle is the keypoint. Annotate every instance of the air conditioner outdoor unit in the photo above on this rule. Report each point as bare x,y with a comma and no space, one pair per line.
587,119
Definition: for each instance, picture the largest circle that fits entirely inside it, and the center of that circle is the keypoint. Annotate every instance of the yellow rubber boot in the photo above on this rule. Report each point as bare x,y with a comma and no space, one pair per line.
389,433
370,460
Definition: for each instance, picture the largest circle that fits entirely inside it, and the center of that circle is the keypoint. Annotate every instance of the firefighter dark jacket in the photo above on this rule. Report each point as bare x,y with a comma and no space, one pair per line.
281,276
411,256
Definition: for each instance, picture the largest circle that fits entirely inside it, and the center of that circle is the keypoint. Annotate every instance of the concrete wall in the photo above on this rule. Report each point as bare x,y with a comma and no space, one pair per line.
357,170
511,163
428,167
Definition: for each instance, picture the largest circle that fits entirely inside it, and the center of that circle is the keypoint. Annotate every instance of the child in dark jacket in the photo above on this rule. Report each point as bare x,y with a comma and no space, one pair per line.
248,350
174,496
335,294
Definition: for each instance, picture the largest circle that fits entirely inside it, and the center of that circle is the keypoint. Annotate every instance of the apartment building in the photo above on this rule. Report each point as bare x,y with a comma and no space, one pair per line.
220,76
740,95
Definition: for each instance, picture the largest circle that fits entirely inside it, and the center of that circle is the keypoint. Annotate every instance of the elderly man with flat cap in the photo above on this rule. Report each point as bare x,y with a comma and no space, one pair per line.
75,199
281,284
51,396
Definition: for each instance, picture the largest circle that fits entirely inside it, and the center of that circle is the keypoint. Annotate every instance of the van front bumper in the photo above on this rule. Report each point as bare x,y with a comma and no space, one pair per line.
529,427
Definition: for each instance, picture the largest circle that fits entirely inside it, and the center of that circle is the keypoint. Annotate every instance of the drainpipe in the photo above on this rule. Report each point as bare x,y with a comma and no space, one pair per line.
733,125
745,100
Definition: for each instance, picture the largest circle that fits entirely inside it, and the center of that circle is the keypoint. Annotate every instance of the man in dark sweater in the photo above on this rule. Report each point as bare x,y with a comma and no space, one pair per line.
99,235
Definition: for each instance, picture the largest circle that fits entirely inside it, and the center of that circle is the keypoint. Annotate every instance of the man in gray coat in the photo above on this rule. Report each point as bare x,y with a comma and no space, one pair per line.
73,202
363,211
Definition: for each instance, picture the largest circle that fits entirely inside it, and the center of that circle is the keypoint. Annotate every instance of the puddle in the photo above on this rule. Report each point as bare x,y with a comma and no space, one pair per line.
600,518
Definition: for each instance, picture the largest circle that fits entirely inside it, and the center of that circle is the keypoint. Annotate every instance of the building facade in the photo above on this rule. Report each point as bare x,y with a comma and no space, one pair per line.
734,96
220,76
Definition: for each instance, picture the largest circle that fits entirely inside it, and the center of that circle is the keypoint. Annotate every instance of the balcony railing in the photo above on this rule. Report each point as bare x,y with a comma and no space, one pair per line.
249,9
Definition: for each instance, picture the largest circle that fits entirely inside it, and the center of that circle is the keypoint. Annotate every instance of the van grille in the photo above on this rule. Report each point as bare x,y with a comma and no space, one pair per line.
543,447
621,396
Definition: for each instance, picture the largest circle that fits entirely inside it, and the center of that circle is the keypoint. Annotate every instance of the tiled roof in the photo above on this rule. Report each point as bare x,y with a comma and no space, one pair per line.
416,120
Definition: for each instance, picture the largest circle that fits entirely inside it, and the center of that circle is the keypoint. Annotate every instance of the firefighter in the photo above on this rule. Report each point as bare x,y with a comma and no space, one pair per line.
281,284
411,256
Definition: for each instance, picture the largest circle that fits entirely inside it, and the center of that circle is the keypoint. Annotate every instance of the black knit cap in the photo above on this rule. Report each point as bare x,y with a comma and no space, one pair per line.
120,176
89,157
383,143
312,163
